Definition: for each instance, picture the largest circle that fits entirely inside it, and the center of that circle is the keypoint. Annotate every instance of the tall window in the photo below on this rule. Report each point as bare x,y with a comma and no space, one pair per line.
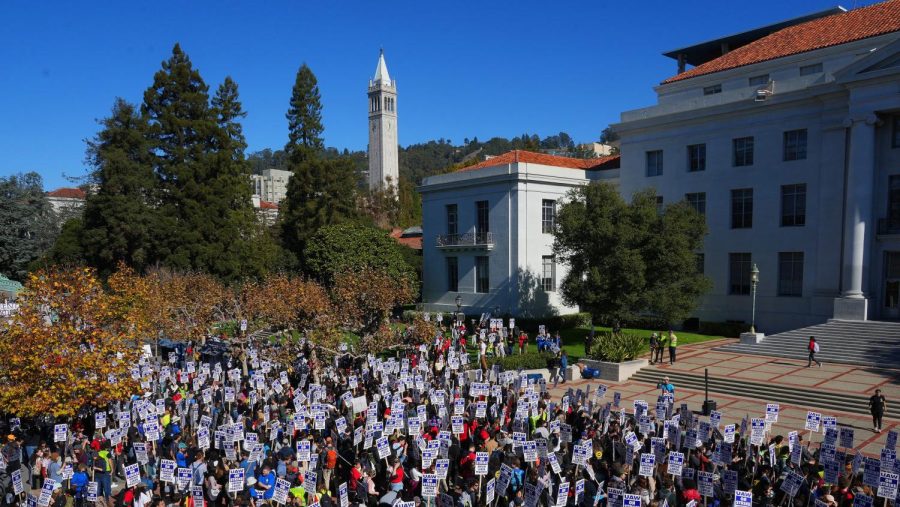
894,198
742,208
761,80
790,274
698,201
452,274
482,274
696,157
452,220
806,70
548,273
895,132
739,265
548,216
654,163
793,205
795,145
742,151
482,222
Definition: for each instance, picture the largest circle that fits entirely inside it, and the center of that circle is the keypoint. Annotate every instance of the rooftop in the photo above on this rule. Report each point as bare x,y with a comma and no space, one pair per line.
823,32
267,205
530,157
67,193
407,239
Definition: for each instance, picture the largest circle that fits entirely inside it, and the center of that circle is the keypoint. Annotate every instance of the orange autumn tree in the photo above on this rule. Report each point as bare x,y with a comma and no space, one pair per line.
69,346
365,298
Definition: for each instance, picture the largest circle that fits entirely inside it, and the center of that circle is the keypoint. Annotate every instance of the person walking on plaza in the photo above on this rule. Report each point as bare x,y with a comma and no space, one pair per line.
813,350
876,406
563,365
673,344
522,339
654,343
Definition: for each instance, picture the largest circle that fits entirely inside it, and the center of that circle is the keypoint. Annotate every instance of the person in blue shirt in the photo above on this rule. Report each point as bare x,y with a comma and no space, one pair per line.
666,387
563,365
79,485
265,485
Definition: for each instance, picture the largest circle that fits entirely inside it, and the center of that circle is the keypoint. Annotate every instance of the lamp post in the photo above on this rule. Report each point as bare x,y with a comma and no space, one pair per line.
754,281
458,301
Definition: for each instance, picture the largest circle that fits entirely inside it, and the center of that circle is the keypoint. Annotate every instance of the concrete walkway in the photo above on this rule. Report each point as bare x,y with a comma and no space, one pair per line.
834,378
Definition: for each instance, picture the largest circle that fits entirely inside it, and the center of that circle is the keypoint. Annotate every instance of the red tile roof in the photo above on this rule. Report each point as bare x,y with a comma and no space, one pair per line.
819,33
515,156
267,205
414,242
67,193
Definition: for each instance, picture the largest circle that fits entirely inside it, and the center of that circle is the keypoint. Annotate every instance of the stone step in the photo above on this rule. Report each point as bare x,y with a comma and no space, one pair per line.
765,392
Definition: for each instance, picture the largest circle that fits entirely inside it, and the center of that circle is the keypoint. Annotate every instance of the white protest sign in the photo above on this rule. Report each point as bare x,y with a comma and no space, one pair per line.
887,485
648,462
132,475
676,463
235,480
743,499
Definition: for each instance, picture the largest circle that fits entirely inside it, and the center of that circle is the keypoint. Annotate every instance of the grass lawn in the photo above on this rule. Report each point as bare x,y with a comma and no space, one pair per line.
573,340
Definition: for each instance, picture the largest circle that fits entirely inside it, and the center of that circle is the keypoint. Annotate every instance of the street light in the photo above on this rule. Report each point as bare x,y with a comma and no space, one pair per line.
754,281
458,305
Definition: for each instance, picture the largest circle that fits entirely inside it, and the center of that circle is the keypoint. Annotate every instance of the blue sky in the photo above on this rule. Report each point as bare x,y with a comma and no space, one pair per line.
463,68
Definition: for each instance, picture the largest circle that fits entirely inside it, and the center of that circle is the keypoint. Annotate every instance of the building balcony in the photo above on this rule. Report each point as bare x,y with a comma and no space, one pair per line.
470,241
888,226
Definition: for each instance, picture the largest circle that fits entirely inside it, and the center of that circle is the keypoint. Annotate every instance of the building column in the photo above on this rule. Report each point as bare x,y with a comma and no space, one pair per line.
859,223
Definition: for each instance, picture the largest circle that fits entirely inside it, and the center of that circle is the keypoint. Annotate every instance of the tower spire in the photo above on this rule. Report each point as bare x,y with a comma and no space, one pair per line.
381,72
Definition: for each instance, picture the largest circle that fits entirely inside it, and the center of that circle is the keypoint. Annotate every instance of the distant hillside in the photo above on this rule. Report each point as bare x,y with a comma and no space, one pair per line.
418,161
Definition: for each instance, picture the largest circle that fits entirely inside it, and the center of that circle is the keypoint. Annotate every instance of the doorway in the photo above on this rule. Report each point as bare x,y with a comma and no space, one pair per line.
891,309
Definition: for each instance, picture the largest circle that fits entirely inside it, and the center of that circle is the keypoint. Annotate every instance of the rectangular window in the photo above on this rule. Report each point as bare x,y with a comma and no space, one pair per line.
698,201
548,216
482,275
895,132
742,208
712,90
452,220
701,263
762,80
806,70
793,205
452,274
482,218
795,145
742,151
696,157
894,199
654,163
548,273
790,274
739,266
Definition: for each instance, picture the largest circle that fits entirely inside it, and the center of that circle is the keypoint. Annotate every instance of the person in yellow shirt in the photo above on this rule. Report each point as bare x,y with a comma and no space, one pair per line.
673,344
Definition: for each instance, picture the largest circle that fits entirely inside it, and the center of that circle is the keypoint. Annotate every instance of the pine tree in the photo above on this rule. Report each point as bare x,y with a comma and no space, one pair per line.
207,221
121,217
304,117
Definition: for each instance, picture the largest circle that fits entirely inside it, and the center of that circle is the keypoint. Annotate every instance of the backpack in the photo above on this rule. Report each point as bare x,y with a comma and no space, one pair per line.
816,347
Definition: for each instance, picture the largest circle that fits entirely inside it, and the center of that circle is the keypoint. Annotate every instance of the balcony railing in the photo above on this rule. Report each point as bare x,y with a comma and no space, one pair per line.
468,240
888,226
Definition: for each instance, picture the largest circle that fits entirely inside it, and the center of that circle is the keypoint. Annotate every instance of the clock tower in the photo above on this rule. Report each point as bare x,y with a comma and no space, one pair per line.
383,159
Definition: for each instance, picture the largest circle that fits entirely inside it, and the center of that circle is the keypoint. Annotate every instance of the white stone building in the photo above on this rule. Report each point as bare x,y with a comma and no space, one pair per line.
788,138
271,185
384,165
486,232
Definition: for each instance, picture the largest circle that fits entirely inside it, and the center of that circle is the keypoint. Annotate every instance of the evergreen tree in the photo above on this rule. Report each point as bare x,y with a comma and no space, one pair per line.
120,219
27,223
207,221
320,192
304,117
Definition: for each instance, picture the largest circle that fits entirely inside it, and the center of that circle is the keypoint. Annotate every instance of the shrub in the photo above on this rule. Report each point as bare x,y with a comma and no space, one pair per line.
527,361
616,348
554,323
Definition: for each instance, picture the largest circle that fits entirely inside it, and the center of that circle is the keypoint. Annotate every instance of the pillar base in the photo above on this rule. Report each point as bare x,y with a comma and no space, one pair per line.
850,308
752,338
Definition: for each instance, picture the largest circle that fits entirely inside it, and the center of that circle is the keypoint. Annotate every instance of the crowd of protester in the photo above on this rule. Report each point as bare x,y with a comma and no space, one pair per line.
423,425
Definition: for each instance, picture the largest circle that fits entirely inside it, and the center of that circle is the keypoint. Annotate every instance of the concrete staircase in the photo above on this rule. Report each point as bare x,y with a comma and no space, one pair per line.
773,393
864,343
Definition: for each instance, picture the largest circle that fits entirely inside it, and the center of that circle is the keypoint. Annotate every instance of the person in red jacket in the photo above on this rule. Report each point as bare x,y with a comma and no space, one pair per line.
813,349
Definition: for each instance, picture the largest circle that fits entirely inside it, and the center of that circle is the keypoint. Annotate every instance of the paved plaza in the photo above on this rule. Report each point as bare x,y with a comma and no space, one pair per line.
830,378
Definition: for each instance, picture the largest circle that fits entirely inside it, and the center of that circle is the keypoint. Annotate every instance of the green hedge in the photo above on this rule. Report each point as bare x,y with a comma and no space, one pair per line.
554,323
616,347
527,361
728,329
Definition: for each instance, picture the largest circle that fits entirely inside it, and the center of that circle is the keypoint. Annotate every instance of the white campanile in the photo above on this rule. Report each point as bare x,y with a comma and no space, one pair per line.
384,167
